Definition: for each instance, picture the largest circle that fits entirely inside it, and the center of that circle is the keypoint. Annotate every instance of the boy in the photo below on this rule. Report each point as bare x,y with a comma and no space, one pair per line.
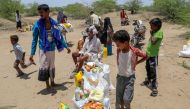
127,59
20,55
47,32
152,52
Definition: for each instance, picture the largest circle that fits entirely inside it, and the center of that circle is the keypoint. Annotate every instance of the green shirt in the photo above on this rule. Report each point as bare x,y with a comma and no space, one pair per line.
153,49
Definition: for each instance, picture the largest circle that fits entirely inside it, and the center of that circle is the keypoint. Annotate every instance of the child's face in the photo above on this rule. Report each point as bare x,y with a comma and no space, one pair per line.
13,41
153,27
121,45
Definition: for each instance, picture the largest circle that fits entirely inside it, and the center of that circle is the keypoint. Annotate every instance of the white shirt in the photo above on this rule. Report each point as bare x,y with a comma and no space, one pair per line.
18,51
18,18
93,46
94,19
125,64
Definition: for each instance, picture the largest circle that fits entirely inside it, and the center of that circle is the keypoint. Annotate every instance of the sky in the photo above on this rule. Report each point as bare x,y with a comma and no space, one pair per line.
59,3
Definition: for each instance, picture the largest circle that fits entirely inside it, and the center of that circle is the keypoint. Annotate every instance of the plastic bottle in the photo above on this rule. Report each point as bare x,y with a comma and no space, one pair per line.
77,94
105,51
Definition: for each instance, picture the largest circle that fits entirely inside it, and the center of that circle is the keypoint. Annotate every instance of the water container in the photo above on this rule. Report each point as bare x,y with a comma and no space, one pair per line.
109,47
78,78
105,51
63,106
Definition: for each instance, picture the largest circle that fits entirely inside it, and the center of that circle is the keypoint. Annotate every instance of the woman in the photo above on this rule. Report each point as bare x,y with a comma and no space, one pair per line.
108,33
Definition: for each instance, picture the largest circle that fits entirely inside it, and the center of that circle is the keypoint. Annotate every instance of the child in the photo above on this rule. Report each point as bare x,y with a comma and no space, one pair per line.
127,59
152,52
20,55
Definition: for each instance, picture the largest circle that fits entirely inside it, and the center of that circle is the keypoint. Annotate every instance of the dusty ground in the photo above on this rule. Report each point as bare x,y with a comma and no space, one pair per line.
28,93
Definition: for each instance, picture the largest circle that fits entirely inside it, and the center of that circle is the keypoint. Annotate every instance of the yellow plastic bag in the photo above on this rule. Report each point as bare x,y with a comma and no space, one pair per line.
78,78
63,106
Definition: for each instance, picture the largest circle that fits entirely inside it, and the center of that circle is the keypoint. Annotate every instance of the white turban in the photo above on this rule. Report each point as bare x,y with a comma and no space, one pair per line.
93,29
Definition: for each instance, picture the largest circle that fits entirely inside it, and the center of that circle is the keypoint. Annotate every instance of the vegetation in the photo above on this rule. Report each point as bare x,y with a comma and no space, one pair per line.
77,11
174,10
104,6
32,9
134,5
8,8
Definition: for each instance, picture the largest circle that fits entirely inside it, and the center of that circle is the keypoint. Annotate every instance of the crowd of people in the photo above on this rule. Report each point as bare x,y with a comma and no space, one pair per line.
50,38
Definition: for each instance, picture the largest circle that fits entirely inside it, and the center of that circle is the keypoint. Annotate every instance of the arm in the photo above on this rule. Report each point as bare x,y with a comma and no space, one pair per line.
65,44
141,54
100,49
153,39
34,41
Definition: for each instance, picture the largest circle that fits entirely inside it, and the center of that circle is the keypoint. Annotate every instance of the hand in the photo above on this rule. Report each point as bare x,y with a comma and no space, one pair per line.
68,50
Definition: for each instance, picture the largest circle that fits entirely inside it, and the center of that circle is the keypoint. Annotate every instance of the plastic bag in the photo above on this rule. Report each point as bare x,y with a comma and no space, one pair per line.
185,52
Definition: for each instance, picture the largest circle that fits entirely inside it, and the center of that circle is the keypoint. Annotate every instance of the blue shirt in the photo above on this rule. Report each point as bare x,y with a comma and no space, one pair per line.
37,34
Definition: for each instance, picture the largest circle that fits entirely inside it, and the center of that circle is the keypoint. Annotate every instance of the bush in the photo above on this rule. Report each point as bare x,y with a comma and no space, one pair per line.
134,5
174,10
104,6
8,8
32,10
77,11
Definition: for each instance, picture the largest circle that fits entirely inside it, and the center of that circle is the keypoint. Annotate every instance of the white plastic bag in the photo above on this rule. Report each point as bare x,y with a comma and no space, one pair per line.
185,52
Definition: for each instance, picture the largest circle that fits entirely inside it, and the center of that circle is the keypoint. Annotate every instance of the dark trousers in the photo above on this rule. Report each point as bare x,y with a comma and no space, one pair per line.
151,68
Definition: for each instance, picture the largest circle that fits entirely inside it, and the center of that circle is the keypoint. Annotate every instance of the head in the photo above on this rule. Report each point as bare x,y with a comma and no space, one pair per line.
121,39
17,11
155,24
43,11
92,31
14,39
107,21
91,12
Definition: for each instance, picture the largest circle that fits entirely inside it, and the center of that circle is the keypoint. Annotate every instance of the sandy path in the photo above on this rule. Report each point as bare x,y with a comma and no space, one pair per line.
29,93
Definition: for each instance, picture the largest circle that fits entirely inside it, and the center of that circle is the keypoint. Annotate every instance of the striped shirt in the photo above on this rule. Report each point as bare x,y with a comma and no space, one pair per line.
18,51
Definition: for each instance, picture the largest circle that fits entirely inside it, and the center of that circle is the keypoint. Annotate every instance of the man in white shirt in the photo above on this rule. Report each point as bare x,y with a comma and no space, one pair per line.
94,19
92,49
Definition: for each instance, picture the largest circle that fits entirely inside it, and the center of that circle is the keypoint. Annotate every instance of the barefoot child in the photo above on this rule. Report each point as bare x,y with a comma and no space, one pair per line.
152,52
127,59
20,55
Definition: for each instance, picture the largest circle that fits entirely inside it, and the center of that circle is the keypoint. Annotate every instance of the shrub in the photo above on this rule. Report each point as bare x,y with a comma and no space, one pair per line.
8,8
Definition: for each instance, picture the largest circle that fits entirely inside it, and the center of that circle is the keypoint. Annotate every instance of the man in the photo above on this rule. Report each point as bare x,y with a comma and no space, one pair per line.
124,17
46,30
94,19
91,50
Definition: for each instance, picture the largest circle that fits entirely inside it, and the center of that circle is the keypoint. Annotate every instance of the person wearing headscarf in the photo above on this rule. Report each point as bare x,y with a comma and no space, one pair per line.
91,49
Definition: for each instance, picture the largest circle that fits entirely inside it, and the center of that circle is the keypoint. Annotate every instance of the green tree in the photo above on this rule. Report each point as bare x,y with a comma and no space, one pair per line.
77,11
8,8
32,9
104,6
134,5
174,10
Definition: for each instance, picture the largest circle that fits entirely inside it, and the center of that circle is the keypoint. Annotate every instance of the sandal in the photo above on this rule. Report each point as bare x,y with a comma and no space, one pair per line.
20,74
